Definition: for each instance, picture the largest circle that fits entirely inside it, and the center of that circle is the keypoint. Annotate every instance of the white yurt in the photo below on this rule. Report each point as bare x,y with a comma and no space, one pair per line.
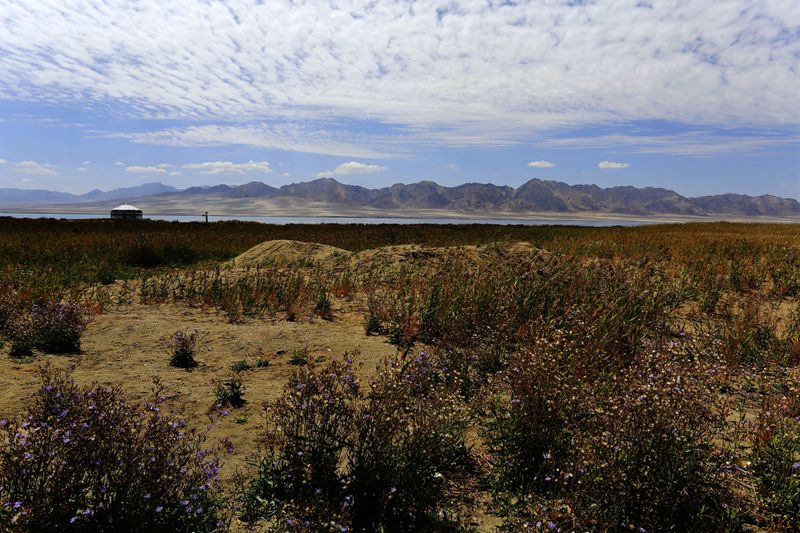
126,212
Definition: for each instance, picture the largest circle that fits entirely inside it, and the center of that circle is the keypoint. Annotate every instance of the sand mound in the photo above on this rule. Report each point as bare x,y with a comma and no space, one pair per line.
412,255
284,251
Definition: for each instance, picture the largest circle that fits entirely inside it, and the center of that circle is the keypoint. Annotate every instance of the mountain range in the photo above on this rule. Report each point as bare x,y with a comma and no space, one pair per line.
535,196
32,197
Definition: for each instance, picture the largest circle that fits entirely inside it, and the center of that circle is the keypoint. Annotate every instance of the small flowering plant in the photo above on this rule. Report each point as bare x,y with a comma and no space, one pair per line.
51,326
776,457
85,459
374,458
183,345
59,326
229,392
21,331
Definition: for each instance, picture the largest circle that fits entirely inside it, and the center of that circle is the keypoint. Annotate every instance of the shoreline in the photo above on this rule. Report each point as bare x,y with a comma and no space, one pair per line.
339,212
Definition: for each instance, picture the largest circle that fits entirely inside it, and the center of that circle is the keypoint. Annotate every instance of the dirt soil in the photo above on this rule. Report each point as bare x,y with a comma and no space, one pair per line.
126,347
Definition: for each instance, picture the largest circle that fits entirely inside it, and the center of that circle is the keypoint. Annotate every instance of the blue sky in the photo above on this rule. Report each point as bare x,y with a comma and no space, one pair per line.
700,97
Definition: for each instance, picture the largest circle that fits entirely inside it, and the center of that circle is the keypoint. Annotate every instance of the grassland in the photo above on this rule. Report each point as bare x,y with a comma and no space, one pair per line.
511,378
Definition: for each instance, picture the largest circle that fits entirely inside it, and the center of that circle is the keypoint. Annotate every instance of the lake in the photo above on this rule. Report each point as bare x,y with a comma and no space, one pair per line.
358,220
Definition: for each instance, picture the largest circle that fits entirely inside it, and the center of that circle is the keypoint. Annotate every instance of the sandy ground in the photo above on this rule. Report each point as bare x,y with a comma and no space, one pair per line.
126,347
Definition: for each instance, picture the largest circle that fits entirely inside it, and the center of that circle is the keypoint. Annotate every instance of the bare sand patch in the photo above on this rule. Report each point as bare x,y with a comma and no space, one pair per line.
125,347
281,252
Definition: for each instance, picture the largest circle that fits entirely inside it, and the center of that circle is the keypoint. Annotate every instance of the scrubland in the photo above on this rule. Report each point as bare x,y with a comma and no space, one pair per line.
399,378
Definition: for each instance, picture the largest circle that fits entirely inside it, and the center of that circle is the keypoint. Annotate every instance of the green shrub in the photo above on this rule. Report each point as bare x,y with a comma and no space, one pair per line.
230,391
83,459
241,366
375,460
651,457
183,345
776,460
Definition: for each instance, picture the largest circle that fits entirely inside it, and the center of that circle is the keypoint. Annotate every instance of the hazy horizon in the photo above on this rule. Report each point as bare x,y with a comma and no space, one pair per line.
697,97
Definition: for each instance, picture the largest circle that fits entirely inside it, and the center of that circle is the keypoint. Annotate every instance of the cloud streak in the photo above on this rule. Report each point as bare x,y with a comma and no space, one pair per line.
612,165
289,137
541,164
159,169
226,167
691,143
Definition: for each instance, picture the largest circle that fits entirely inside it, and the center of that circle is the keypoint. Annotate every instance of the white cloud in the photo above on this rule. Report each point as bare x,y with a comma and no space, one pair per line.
541,164
354,167
175,173
82,169
119,164
351,169
159,169
37,169
86,163
276,136
226,167
3,161
475,73
612,164
286,175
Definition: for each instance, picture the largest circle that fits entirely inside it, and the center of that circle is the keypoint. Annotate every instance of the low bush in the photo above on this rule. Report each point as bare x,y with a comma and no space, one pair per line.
9,307
59,326
183,345
21,331
652,455
229,392
83,459
409,449
50,326
375,459
776,460
241,365
532,420
635,448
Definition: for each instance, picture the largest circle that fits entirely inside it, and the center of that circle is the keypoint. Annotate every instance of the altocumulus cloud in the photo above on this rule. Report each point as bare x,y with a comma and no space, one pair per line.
541,164
227,167
239,62
351,169
612,164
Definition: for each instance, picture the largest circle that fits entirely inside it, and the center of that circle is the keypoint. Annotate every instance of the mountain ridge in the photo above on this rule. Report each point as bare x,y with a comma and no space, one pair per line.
536,195
45,197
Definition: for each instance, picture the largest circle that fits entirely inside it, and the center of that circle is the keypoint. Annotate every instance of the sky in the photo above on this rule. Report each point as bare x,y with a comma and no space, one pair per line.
702,97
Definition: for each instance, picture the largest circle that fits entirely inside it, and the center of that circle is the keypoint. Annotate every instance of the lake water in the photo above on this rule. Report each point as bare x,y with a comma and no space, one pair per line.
356,220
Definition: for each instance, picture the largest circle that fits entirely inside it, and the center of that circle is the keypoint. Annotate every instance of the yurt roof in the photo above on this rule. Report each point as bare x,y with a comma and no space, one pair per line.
126,207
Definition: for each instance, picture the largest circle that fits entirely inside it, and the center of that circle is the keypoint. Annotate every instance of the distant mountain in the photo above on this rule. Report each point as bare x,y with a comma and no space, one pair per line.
146,189
11,197
480,198
741,204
